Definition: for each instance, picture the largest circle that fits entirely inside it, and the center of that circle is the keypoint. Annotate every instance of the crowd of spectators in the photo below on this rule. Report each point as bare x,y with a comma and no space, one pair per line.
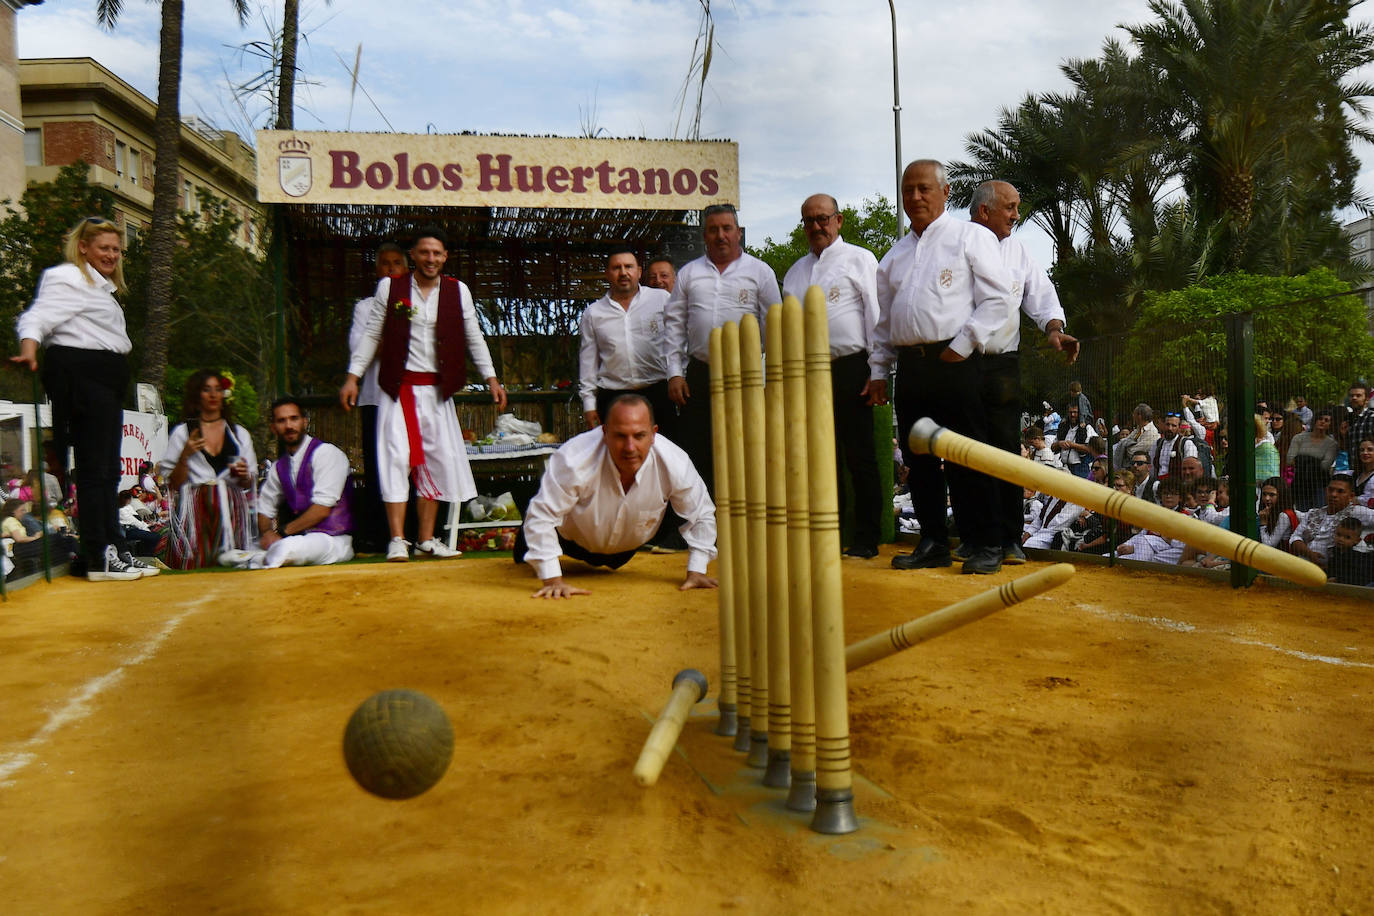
1314,473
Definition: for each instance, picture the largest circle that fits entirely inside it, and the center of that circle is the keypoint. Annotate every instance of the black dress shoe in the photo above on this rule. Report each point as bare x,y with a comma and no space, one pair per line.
862,551
1013,555
928,555
984,561
961,552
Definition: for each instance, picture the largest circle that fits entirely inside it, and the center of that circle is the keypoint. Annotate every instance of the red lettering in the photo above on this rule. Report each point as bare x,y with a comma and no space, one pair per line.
603,177
529,178
709,185
558,179
629,181
402,170
580,174
345,173
655,179
500,172
684,181
426,176
378,175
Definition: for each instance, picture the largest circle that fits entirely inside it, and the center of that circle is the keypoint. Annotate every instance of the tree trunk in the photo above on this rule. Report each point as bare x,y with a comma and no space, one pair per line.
162,239
286,77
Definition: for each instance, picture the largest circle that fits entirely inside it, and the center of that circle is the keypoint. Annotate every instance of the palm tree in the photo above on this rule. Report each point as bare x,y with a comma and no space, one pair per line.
162,239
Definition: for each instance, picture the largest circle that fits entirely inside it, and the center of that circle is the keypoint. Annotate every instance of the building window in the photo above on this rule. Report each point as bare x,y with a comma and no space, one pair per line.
121,152
130,234
134,166
33,146
188,196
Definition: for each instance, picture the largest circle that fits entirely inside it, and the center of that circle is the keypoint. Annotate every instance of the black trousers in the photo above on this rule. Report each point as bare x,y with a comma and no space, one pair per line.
87,388
854,443
665,411
948,393
1001,390
694,423
574,550
370,531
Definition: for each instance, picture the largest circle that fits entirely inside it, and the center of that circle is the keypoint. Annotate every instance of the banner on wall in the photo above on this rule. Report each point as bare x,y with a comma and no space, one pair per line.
447,170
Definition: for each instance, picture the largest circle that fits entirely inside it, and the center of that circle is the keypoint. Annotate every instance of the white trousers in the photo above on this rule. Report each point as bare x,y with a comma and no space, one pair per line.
314,548
445,475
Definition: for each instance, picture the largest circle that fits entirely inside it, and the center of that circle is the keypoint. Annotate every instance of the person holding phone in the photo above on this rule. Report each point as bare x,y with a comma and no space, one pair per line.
209,466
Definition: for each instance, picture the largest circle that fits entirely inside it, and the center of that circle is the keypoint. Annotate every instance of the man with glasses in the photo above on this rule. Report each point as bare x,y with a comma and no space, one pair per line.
848,275
943,293
1140,470
725,284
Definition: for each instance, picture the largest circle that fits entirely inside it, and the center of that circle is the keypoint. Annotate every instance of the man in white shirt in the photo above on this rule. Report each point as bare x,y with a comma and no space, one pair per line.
1077,443
1317,531
422,328
603,495
1170,449
996,205
725,284
660,274
369,522
1143,434
849,276
303,507
622,344
943,293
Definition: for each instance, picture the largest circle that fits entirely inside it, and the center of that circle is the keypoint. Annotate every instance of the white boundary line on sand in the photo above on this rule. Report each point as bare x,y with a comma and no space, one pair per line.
1178,626
78,706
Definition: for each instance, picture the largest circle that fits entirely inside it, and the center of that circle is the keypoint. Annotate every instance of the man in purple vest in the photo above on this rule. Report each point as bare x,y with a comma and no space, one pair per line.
303,507
422,328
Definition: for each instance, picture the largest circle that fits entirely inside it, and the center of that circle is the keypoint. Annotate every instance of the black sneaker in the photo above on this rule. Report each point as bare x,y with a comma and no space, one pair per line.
145,570
862,551
112,568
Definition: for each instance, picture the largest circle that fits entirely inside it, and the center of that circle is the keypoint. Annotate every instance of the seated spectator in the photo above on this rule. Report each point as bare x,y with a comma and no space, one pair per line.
1347,457
1038,451
1077,443
1140,475
209,465
1170,449
1311,455
1142,436
604,494
1046,528
1222,519
1302,411
1151,547
147,481
1266,455
28,546
142,540
1316,532
1031,504
1097,473
1199,499
1364,475
304,509
1351,561
1277,517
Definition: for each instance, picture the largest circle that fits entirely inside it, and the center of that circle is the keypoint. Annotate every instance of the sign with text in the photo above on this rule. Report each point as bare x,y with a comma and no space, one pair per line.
318,167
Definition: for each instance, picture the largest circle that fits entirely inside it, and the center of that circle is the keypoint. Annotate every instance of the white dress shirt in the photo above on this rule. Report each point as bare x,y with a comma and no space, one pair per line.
948,283
367,385
421,357
1055,515
72,309
1032,290
849,276
328,471
706,297
1318,527
1164,449
622,348
581,498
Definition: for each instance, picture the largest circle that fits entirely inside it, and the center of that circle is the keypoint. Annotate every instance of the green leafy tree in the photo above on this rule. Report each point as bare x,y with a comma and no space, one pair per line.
874,227
1309,338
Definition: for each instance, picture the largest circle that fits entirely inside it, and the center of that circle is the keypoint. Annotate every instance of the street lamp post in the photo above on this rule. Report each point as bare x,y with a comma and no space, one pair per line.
896,118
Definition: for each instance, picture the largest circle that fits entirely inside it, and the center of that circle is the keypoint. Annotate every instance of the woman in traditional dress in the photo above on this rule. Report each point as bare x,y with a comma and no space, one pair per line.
209,466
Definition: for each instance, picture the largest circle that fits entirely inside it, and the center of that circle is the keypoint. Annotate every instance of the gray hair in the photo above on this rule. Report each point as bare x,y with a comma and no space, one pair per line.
1145,412
941,175
985,195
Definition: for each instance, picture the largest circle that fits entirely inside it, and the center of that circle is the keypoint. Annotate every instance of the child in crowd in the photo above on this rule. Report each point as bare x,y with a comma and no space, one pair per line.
1038,451
1151,546
1351,561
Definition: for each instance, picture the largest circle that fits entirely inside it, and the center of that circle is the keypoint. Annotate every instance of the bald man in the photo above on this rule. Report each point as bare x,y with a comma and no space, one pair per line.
849,276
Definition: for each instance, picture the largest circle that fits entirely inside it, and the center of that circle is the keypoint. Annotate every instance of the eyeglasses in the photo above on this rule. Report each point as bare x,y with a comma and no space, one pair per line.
97,221
818,221
1140,463
1173,413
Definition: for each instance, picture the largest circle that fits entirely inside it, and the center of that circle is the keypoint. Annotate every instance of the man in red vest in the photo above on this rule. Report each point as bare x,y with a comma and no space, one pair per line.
422,327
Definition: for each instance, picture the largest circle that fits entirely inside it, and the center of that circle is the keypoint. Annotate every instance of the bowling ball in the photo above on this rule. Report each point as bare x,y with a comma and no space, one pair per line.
398,743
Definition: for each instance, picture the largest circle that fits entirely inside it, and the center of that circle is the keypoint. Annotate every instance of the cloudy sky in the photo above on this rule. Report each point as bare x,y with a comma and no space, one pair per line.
804,87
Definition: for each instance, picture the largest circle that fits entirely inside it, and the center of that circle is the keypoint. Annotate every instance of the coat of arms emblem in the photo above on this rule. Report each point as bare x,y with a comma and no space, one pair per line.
294,167
946,278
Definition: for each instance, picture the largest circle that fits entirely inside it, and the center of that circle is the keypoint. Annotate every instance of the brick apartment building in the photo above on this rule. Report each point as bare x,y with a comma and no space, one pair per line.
76,109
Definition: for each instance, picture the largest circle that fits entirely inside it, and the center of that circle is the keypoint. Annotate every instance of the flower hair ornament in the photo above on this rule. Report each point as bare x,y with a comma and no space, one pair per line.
226,385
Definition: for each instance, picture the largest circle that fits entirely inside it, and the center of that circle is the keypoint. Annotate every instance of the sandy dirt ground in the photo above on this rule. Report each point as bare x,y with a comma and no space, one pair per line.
1129,743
